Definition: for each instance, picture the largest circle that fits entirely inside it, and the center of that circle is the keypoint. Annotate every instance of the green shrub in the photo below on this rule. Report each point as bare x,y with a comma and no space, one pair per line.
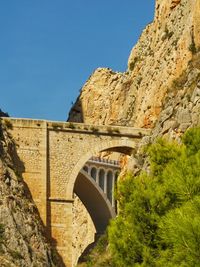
159,211
16,255
94,129
133,63
192,48
8,124
99,256
55,125
179,82
71,125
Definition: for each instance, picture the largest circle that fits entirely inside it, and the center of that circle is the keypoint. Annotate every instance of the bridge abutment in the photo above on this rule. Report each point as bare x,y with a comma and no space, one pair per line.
60,229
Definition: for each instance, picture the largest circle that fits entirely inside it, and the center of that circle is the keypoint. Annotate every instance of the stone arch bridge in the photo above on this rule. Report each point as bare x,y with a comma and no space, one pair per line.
53,156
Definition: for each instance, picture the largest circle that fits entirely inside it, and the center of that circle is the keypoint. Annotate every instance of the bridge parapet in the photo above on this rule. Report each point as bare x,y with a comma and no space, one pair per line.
79,127
104,161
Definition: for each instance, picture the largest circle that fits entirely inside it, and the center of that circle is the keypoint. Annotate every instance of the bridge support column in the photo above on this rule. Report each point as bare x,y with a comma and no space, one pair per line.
105,182
60,227
97,178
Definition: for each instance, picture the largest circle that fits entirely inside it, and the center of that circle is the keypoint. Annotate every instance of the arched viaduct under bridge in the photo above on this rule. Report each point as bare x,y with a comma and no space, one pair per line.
53,155
104,172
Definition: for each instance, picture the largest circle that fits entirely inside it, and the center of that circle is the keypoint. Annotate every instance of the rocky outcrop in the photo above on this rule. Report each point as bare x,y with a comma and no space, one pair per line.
161,87
160,57
3,114
22,235
103,99
181,108
84,230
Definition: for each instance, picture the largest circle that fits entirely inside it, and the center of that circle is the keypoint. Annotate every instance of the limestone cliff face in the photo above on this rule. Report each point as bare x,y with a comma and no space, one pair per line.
22,238
83,230
160,57
161,87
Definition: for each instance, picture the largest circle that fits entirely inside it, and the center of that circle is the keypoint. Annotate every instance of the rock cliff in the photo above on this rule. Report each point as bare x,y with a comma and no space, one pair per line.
161,57
161,87
22,236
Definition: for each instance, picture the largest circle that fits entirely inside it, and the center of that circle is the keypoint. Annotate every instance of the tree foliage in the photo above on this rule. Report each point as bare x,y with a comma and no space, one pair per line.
159,211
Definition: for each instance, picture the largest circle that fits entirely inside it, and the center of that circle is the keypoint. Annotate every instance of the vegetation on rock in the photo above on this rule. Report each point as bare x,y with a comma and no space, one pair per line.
100,256
158,223
159,210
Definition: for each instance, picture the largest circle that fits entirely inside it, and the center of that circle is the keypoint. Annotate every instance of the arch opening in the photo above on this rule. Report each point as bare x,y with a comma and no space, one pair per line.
109,186
125,146
86,168
94,200
96,193
94,173
102,179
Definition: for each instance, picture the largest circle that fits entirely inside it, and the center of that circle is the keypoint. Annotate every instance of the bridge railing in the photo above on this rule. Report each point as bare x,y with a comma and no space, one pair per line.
103,160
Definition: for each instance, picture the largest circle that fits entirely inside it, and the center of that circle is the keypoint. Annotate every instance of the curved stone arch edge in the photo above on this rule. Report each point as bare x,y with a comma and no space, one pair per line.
112,212
99,148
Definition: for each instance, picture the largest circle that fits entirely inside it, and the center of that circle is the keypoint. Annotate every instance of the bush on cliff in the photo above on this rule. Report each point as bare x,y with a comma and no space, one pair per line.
158,223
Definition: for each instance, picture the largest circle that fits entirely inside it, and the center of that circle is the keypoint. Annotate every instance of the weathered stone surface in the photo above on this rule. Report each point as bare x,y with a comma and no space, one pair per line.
196,95
184,115
160,89
156,66
169,124
83,229
184,126
196,115
23,242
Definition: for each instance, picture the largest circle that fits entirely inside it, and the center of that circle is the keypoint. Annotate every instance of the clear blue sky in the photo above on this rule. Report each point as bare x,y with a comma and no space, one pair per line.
49,48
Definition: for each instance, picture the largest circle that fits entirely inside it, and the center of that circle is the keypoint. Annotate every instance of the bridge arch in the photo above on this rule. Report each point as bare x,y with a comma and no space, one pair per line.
125,146
95,201
53,154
